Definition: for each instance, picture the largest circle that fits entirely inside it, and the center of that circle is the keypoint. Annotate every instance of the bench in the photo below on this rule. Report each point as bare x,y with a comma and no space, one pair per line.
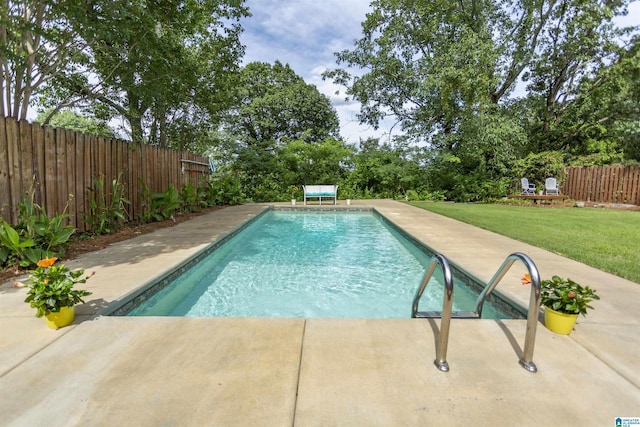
539,198
320,191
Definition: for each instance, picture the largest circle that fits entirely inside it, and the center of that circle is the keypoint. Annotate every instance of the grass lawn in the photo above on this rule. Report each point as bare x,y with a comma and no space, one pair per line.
606,239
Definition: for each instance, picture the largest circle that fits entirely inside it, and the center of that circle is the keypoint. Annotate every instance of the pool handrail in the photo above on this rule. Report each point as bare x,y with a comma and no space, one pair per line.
447,307
526,361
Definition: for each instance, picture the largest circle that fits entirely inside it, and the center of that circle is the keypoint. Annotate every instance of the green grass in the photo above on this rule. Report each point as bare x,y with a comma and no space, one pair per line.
606,239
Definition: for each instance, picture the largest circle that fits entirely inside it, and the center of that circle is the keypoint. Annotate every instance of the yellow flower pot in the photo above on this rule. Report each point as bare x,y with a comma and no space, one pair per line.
560,323
63,318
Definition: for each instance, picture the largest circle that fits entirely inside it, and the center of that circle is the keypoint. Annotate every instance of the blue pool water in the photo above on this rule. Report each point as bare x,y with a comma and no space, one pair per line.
308,264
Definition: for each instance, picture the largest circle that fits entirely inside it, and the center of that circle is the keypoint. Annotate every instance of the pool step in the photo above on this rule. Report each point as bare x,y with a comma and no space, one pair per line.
454,315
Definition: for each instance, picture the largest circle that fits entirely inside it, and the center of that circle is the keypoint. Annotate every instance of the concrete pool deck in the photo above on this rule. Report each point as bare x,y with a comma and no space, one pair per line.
316,372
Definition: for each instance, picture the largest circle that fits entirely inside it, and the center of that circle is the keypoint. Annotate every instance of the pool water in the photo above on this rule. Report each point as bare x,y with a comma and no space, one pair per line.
308,264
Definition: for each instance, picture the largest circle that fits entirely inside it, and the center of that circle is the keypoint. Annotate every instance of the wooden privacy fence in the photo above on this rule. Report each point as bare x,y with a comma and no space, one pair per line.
61,165
603,184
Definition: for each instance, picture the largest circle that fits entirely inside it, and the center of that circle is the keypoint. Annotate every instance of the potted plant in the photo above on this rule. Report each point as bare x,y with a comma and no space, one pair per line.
347,192
563,300
52,294
294,192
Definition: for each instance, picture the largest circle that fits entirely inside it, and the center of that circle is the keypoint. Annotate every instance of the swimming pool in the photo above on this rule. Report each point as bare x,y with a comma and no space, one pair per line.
306,263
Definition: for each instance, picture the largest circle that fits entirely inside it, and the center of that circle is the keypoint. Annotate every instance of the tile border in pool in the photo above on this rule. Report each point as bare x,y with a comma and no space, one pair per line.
133,299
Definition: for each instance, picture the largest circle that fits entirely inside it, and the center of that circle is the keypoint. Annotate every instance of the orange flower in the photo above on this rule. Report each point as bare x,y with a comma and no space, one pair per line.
526,279
47,262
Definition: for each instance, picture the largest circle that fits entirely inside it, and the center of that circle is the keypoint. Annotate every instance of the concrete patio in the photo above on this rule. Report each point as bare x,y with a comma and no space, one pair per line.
149,371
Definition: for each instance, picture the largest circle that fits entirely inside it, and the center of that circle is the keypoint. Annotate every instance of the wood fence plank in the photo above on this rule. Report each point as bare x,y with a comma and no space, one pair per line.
148,163
89,170
140,151
636,187
578,176
50,168
159,170
623,185
100,156
633,190
5,185
625,175
633,185
607,191
607,194
37,144
97,156
597,172
606,180
566,186
131,174
620,184
13,169
586,184
105,162
170,175
146,168
582,184
27,185
83,181
72,177
114,168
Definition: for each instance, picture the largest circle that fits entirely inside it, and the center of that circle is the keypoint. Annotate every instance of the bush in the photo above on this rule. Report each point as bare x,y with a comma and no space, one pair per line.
35,237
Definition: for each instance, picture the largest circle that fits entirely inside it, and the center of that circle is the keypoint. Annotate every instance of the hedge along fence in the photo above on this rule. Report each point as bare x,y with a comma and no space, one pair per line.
61,165
603,184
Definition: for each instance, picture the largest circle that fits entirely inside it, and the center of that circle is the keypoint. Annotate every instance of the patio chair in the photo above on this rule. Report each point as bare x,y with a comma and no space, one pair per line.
551,186
527,188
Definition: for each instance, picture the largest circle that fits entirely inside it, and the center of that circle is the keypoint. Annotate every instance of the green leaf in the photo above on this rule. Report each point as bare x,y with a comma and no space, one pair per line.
13,238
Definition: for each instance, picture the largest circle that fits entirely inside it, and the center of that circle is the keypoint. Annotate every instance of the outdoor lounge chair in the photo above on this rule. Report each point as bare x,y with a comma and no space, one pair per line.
527,188
551,186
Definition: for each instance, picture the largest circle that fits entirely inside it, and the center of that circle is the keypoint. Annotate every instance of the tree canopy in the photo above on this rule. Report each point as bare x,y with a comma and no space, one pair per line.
277,119
149,63
484,83
483,90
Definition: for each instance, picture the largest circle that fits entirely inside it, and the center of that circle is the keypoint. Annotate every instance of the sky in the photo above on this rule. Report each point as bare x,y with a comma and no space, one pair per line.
306,33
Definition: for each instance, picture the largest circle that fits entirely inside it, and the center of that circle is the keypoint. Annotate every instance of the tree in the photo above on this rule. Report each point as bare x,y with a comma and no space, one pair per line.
274,105
579,39
386,170
74,121
322,162
275,108
148,62
600,124
433,65
154,63
445,71
37,43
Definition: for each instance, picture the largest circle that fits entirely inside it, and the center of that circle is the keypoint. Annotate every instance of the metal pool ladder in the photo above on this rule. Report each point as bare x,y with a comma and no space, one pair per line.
526,361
